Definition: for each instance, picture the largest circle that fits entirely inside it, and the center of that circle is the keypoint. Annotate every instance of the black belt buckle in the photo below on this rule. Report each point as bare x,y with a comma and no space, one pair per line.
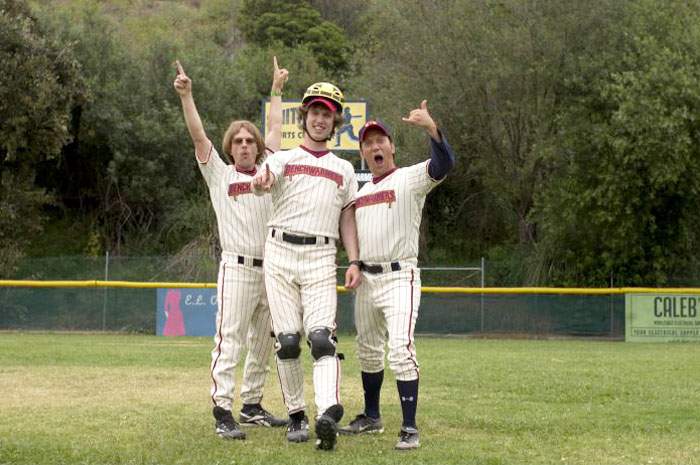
376,269
372,269
299,240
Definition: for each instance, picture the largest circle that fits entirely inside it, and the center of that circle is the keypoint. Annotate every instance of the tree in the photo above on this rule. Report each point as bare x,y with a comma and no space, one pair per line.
492,73
294,23
129,174
40,82
346,14
35,112
623,200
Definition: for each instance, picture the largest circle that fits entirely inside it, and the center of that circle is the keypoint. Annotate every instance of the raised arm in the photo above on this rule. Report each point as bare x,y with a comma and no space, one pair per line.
183,86
442,159
273,138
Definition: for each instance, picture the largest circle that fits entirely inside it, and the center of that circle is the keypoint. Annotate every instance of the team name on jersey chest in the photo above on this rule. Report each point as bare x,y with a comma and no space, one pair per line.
385,196
291,170
238,188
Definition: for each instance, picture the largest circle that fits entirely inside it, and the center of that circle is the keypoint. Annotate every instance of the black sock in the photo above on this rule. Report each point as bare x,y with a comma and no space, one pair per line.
297,416
249,407
372,384
408,394
221,414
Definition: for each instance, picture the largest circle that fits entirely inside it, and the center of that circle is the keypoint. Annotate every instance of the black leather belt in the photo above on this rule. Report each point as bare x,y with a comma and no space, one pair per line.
300,240
256,261
376,269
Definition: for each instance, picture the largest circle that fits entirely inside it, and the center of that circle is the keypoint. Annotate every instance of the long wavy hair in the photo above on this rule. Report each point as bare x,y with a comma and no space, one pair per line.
233,129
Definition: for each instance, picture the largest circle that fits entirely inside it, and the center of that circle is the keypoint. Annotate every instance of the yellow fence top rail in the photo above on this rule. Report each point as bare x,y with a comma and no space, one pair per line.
562,290
426,289
93,283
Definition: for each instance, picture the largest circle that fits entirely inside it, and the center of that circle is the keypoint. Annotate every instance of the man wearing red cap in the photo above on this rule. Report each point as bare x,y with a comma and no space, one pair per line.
313,196
388,213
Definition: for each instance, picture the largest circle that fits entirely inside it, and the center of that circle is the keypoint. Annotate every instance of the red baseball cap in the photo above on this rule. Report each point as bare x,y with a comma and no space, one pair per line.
330,105
374,124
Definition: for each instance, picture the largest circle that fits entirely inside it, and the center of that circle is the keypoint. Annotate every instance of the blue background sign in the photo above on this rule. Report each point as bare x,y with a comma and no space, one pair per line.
186,312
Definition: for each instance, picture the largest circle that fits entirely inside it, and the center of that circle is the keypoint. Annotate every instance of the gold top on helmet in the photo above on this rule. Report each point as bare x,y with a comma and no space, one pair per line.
327,91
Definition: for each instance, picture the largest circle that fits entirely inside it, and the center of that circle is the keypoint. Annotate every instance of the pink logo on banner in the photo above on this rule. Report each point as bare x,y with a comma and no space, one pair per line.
174,323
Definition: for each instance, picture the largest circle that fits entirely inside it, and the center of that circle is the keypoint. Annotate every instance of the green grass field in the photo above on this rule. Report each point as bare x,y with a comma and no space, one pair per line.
122,399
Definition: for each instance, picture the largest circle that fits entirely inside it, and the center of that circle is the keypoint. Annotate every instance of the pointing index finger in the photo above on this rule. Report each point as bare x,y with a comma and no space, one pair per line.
274,62
180,70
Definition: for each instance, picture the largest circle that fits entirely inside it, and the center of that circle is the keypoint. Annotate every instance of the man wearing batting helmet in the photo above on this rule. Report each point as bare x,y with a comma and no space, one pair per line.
243,315
388,212
313,194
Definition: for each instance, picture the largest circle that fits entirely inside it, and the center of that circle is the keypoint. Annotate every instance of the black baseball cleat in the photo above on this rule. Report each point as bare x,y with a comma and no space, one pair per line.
327,427
226,427
298,430
257,415
363,424
408,439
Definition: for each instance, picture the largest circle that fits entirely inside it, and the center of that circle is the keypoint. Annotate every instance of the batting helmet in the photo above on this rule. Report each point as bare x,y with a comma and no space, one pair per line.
326,91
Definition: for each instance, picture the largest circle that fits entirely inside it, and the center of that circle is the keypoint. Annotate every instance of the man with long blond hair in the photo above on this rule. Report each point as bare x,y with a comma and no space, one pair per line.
243,315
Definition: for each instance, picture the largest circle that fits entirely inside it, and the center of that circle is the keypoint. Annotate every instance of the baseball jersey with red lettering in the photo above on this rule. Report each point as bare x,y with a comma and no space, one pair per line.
241,216
243,316
311,189
388,213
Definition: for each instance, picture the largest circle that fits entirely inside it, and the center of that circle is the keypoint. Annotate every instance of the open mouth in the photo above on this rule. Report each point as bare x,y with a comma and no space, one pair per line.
378,158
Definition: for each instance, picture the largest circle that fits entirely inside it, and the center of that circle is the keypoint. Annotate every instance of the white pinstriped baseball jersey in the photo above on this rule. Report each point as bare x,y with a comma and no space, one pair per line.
389,212
241,216
310,191
243,316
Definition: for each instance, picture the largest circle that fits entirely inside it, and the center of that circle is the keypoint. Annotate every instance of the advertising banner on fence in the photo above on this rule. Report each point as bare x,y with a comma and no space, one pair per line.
662,318
186,312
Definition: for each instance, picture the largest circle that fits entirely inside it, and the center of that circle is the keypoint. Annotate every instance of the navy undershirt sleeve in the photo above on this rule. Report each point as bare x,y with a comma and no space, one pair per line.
442,158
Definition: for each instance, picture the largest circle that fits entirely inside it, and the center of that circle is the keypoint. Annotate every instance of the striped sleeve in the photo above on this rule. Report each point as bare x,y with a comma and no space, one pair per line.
276,162
213,168
418,178
351,192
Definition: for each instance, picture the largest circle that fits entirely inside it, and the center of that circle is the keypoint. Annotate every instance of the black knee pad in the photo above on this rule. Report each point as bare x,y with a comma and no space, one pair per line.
322,343
288,346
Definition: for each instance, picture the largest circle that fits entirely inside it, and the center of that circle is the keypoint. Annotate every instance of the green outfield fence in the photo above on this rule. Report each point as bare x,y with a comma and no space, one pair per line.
71,293
130,306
